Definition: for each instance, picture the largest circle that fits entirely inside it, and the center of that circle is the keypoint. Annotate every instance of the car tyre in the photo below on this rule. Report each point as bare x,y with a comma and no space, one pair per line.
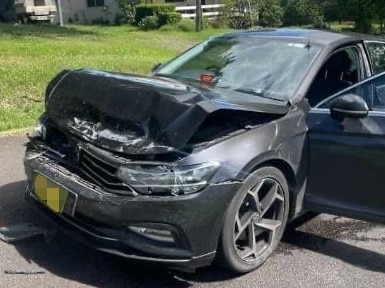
255,221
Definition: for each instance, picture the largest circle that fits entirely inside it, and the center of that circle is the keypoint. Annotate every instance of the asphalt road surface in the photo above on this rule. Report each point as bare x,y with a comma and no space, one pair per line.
326,251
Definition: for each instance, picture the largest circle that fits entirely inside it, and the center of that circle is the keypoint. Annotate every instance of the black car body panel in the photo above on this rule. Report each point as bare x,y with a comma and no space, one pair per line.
358,144
100,215
97,124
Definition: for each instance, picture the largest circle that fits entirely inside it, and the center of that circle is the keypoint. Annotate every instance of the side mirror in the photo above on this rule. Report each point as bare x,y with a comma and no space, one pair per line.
349,106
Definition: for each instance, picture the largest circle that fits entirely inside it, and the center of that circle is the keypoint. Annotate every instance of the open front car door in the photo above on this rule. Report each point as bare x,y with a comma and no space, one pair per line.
347,153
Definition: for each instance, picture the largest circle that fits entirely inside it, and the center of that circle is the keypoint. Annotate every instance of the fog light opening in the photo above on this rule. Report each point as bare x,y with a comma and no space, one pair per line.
160,235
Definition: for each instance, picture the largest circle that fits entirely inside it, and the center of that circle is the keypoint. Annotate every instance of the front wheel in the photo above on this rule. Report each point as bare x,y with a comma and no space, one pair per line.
255,221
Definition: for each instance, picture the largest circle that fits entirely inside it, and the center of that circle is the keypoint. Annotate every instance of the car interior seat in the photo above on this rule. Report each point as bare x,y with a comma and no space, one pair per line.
334,76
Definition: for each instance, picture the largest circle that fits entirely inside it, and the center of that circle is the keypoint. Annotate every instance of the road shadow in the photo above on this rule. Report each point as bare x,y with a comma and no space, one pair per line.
71,260
68,259
350,254
40,30
13,208
326,237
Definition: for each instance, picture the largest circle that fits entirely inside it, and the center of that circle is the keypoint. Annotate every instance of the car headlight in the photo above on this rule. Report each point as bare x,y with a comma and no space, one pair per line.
167,179
40,129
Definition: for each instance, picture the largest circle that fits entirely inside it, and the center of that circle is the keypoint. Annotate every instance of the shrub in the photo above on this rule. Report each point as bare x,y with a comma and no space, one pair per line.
186,25
207,23
149,23
241,14
219,22
128,7
144,10
169,18
239,22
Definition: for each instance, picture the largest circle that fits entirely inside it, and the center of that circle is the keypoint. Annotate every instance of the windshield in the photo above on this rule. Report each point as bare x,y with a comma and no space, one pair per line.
262,66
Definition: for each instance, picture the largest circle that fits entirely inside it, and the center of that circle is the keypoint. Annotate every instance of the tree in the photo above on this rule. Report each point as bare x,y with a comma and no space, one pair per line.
327,10
380,12
300,12
330,11
270,13
247,13
241,14
362,12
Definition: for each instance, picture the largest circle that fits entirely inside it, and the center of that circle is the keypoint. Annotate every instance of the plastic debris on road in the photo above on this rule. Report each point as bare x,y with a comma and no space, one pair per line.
19,232
24,272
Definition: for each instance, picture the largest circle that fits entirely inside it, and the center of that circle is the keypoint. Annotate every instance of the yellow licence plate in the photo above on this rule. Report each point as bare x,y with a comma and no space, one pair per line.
49,193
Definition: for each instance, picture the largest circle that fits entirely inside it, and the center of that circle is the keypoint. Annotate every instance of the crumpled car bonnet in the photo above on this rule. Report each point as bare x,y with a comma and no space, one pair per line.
136,114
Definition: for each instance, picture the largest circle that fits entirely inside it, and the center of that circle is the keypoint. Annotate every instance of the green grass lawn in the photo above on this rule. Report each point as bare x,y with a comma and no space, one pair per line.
31,55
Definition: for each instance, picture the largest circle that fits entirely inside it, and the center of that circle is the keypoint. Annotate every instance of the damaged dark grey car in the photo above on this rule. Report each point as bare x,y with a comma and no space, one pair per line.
214,153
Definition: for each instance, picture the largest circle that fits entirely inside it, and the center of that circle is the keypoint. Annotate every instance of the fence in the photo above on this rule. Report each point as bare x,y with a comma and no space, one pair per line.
208,11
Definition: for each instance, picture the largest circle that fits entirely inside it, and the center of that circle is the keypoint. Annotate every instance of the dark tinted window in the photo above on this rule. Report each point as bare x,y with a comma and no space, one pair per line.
371,90
339,72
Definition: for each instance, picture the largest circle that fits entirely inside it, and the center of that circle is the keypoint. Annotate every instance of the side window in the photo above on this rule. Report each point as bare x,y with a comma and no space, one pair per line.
377,56
371,90
339,72
95,3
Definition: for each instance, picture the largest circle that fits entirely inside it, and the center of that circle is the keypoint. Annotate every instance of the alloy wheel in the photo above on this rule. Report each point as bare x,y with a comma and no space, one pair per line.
259,220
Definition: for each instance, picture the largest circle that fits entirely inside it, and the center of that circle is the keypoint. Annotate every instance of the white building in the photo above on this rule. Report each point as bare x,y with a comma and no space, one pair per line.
88,11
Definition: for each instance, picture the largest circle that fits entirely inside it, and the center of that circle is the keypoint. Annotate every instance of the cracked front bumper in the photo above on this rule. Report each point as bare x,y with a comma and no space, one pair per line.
102,220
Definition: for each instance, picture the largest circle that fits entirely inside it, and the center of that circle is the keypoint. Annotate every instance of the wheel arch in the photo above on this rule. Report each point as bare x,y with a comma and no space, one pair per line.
289,173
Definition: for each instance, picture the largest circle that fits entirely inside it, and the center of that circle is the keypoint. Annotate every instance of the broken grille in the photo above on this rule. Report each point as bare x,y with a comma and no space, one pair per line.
102,173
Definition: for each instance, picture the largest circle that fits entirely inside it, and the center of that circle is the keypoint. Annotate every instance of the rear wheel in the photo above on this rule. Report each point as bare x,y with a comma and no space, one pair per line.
255,221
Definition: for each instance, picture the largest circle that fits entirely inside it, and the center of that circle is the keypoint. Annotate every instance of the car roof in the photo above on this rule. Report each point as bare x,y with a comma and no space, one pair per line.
322,37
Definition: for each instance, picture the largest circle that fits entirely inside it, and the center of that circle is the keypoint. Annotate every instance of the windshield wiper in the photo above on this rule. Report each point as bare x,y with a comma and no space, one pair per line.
176,77
257,93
